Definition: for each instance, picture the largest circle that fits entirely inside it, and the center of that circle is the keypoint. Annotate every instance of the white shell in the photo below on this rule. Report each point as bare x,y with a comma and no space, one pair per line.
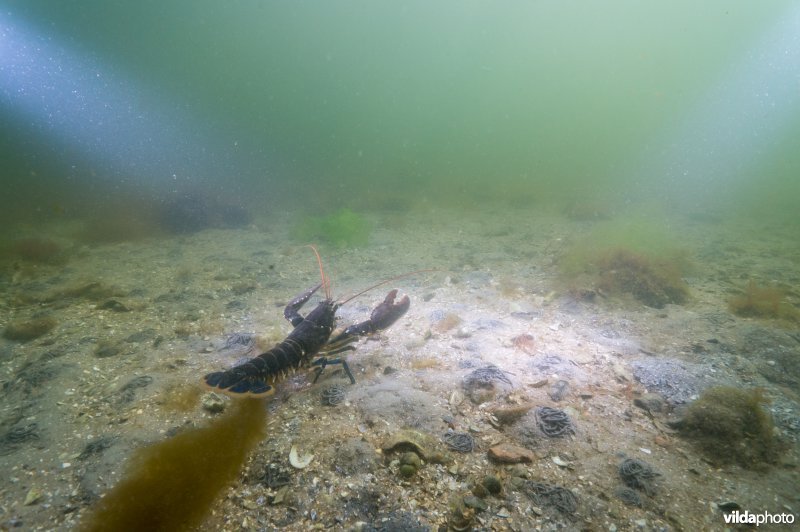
297,461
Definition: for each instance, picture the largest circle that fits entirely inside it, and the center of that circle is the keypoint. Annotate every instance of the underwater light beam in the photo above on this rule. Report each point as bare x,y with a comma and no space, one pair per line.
737,121
86,106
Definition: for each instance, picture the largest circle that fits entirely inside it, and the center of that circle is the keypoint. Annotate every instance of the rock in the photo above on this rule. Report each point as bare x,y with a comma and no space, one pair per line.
213,403
479,490
412,459
558,390
508,453
519,471
471,501
33,496
508,415
652,402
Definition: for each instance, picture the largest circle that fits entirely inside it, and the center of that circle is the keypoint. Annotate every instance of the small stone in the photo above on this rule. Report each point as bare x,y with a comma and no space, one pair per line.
519,471
280,496
560,462
558,390
503,513
411,458
33,496
250,505
508,415
508,453
470,501
517,482
479,490
456,398
213,403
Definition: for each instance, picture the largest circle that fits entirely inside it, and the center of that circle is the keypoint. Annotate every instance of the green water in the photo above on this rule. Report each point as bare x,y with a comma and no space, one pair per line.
373,104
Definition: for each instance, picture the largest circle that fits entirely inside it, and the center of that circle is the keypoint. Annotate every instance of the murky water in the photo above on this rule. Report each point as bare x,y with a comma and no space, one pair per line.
605,191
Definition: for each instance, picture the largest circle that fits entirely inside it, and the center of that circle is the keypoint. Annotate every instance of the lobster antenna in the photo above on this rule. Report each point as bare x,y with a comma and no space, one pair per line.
389,280
325,282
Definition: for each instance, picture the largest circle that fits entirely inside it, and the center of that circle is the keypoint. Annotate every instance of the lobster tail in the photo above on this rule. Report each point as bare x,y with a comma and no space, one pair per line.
237,382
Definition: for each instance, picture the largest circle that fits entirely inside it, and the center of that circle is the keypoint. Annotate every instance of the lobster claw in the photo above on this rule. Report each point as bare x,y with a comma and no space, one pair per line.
382,317
388,312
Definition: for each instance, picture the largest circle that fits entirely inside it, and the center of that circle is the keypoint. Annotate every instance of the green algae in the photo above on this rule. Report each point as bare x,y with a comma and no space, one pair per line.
343,229
731,425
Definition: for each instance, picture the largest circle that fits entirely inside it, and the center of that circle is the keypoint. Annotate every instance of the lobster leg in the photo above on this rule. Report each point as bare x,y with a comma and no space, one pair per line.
323,362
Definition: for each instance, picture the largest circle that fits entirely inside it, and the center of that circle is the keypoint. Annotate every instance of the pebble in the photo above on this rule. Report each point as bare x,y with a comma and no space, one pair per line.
411,458
559,390
213,403
508,453
471,501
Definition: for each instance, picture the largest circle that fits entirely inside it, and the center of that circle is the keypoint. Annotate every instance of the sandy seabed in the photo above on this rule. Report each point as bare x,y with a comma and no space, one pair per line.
138,324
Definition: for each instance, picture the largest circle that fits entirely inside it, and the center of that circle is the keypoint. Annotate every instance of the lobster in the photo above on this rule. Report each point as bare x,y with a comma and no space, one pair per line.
310,337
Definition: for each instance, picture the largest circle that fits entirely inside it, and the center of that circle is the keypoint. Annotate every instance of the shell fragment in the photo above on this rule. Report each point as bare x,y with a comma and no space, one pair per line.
299,462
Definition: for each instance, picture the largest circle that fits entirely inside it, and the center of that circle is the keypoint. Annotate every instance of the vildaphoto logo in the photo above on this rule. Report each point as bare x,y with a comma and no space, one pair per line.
762,518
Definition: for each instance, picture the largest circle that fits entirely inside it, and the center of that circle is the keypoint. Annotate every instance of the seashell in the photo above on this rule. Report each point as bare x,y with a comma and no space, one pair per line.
297,461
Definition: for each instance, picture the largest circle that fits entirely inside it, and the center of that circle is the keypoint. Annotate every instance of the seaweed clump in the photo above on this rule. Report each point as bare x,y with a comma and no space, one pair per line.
342,229
654,282
27,330
762,301
731,425
172,484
